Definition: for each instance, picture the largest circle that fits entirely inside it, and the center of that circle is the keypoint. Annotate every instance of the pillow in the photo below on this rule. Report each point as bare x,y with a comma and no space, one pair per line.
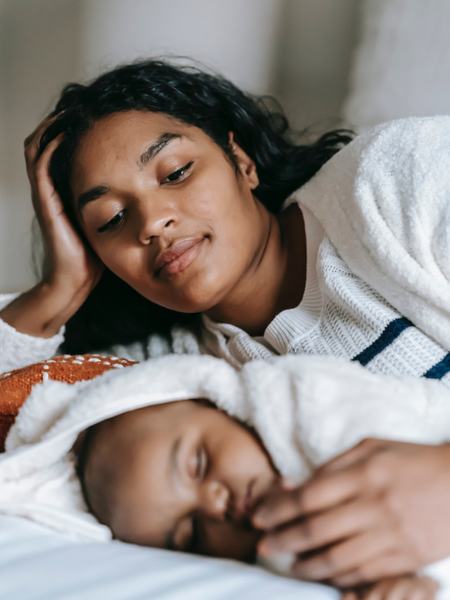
401,66
16,386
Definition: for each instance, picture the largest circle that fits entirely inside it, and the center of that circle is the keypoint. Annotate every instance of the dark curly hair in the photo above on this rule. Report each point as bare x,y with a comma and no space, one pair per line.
114,312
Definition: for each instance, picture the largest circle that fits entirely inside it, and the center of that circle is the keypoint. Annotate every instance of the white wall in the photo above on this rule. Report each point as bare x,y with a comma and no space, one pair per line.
39,52
314,59
297,49
238,38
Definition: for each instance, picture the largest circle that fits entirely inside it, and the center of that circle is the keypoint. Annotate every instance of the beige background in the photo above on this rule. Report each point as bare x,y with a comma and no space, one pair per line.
299,50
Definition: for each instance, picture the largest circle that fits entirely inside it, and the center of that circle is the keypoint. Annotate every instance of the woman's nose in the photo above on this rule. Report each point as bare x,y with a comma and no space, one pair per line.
214,500
154,222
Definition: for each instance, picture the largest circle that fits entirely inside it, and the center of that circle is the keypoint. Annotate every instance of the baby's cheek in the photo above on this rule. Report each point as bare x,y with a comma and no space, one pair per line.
225,539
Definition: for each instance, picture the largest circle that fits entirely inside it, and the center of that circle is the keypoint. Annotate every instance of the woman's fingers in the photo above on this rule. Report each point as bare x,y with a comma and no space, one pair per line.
320,493
352,554
358,453
31,142
321,529
408,587
390,564
46,200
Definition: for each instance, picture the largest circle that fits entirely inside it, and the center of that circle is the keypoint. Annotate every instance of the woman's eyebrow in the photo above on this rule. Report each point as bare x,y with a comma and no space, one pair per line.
149,154
155,147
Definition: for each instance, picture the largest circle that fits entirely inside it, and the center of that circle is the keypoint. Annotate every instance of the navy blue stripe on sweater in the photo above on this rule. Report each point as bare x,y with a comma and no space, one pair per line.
391,333
439,369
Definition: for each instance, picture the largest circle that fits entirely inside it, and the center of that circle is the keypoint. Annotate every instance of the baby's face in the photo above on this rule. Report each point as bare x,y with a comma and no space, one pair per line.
181,475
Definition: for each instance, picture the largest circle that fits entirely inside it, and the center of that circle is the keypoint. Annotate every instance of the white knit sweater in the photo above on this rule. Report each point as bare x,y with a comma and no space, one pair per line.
378,233
339,315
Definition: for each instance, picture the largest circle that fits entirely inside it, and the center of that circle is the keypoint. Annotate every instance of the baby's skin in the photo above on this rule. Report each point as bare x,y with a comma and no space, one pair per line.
181,475
185,476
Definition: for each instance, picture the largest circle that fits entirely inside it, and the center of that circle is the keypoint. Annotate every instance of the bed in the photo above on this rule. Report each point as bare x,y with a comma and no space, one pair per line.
38,563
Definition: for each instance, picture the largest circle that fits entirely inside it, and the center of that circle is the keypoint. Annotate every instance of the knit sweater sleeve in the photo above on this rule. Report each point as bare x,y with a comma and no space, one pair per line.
384,204
19,349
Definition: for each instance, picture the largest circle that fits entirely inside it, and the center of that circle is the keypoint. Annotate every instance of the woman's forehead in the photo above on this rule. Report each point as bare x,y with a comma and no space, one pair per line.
139,123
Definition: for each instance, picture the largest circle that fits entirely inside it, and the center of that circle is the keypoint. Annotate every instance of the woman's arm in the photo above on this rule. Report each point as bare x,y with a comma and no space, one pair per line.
71,275
383,202
42,311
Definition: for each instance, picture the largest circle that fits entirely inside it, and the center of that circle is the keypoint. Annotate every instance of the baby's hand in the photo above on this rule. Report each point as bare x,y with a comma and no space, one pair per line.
408,587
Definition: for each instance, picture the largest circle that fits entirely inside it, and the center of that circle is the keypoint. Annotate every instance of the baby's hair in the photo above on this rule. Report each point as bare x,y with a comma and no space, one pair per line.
115,313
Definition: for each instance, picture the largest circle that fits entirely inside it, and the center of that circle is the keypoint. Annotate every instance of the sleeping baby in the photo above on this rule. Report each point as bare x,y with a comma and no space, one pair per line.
177,452
185,476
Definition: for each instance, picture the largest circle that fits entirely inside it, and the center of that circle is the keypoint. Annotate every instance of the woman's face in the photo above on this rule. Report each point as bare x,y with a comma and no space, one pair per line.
165,210
182,475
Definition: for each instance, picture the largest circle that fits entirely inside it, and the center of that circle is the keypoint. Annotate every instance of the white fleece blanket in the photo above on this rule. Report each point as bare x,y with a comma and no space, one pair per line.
295,403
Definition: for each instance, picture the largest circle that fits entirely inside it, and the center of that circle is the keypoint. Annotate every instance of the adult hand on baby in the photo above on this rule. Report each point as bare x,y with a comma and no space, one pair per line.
71,266
378,510
407,587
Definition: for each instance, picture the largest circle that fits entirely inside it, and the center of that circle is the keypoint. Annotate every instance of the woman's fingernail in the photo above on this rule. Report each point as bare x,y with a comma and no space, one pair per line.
287,484
258,519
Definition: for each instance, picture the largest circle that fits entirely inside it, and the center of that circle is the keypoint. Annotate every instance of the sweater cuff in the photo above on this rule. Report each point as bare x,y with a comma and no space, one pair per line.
19,349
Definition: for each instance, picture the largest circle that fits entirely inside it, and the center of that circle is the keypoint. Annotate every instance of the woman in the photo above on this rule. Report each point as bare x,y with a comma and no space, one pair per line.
159,193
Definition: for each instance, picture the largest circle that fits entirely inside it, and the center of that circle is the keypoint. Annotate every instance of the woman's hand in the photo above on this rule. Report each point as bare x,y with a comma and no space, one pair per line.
408,587
378,510
72,271
70,265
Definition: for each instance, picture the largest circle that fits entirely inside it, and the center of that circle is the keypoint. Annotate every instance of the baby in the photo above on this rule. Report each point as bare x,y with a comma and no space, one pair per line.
177,452
182,476
186,476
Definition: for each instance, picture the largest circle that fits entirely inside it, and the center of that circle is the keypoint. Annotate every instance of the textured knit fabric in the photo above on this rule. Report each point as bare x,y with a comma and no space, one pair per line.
379,289
19,349
339,315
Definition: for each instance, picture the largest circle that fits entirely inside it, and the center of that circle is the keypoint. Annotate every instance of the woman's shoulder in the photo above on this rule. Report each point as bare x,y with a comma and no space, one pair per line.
383,203
395,174
400,137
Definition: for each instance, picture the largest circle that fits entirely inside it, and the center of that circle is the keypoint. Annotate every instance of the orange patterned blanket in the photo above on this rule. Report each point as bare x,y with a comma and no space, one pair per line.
16,386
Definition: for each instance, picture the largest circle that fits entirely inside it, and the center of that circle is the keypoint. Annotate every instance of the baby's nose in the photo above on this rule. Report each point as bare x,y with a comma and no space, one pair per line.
214,500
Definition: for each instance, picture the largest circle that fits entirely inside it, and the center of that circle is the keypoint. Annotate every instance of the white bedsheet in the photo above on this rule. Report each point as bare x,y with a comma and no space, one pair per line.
38,564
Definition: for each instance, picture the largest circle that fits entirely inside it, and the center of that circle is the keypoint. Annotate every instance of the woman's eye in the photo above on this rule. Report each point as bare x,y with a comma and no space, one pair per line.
112,223
178,174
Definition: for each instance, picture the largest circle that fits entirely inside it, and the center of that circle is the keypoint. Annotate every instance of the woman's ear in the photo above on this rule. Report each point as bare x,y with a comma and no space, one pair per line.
246,165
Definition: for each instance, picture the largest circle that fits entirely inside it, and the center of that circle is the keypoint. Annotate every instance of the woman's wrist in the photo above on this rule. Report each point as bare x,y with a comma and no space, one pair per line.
43,310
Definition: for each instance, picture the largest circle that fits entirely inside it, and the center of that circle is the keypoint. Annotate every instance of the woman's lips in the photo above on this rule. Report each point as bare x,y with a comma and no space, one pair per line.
178,257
